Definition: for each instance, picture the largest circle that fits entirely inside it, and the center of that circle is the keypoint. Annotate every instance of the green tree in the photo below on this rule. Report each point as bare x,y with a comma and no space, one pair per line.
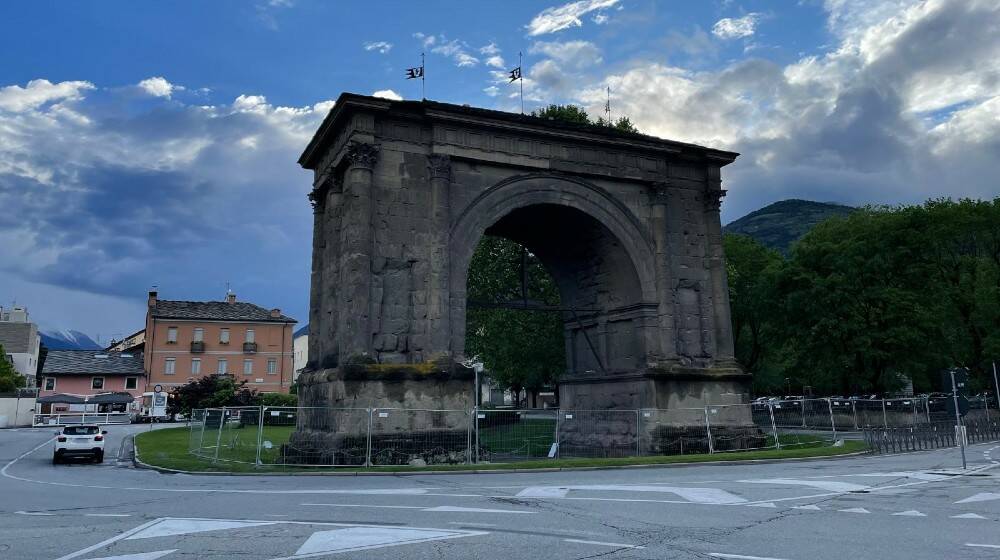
755,307
857,310
565,113
10,380
211,391
521,348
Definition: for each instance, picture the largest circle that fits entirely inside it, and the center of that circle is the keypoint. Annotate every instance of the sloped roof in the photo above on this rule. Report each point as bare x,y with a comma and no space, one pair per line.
90,362
215,311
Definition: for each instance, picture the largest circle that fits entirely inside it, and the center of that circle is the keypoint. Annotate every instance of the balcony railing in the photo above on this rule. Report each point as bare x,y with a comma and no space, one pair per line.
197,347
250,347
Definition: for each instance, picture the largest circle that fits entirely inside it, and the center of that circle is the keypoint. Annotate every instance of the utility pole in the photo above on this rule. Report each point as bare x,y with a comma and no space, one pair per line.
959,431
996,385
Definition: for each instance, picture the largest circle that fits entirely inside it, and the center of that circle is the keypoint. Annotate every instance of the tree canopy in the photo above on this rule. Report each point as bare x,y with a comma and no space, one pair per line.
866,298
521,349
574,114
10,380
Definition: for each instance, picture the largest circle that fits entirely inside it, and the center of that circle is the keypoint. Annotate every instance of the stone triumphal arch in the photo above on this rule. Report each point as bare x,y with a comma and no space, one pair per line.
627,225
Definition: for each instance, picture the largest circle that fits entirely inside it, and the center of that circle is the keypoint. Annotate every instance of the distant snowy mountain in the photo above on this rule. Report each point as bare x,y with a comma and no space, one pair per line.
68,340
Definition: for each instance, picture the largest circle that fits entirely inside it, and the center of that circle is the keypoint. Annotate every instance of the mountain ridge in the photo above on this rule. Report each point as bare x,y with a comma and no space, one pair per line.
781,224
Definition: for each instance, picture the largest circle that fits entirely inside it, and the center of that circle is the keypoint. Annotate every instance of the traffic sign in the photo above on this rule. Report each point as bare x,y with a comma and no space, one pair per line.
963,405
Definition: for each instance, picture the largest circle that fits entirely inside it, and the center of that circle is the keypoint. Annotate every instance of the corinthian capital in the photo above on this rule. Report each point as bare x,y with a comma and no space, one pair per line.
440,166
713,200
362,155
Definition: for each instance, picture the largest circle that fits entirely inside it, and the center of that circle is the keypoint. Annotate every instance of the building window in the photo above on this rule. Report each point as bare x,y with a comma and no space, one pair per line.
222,367
170,366
96,382
250,336
224,336
195,366
131,383
199,334
247,367
272,365
50,383
172,335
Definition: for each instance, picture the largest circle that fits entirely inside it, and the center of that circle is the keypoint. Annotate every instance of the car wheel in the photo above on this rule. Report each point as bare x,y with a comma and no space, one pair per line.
55,459
99,457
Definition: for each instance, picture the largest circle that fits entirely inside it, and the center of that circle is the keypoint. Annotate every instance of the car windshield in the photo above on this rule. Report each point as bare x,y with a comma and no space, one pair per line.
80,430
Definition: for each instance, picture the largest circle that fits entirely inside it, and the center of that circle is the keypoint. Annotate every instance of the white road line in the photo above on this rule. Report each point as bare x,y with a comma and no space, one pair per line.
599,543
829,485
693,495
107,515
983,545
364,506
981,497
968,516
911,513
810,507
741,556
854,510
32,513
439,509
764,505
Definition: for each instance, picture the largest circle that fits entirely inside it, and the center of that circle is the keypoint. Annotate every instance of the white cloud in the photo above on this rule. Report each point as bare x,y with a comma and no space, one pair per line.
425,40
562,17
492,91
496,62
735,28
456,50
39,92
158,86
599,19
388,94
381,46
574,54
490,49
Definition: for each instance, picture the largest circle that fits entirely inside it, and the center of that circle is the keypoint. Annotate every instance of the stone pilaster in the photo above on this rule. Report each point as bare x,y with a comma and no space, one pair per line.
329,287
663,343
716,263
315,350
439,284
357,253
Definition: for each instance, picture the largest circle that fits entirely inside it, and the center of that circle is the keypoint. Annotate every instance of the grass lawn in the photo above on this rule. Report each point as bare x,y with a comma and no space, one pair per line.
168,448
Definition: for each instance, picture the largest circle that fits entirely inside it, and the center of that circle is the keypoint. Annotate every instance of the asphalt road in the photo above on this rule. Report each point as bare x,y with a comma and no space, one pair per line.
914,506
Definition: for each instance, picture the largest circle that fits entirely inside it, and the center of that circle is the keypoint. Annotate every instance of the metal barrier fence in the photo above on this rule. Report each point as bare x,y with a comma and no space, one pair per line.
385,436
932,435
73,418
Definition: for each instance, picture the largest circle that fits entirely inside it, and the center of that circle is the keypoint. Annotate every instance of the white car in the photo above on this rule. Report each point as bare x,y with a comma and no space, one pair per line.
79,441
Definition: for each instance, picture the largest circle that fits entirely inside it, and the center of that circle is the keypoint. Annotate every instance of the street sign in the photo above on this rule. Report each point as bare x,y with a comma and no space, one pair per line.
159,407
961,380
963,405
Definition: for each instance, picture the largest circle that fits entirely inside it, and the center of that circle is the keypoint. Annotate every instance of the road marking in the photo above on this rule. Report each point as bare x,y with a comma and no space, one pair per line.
854,510
828,485
476,525
107,515
457,509
350,539
599,543
171,527
692,495
968,516
741,557
983,545
981,497
106,542
809,507
911,513
32,513
475,510
139,556
764,505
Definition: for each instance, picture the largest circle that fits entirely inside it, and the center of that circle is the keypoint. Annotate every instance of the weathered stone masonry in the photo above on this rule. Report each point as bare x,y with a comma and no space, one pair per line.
628,225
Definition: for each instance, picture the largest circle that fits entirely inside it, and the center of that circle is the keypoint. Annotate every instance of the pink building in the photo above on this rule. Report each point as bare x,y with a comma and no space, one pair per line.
91,380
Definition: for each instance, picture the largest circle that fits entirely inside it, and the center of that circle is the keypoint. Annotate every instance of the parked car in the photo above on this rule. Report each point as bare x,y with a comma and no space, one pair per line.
79,441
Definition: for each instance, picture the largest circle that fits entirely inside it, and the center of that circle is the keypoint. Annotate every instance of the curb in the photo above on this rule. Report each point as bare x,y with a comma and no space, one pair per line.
729,462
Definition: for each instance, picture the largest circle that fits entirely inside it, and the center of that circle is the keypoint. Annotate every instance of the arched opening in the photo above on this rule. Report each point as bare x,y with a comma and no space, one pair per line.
575,274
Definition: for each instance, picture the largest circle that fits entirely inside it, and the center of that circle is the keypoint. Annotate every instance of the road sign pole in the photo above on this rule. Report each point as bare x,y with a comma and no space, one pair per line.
958,419
996,385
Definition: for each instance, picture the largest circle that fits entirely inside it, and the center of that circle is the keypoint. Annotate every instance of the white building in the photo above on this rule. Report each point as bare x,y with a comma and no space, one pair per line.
21,342
300,351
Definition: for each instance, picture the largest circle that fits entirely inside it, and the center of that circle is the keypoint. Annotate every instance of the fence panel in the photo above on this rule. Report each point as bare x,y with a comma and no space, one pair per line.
674,431
314,436
598,433
237,438
788,414
420,437
196,431
514,435
734,427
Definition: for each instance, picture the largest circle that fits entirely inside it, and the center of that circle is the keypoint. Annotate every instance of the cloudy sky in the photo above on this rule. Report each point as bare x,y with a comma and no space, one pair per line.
154,143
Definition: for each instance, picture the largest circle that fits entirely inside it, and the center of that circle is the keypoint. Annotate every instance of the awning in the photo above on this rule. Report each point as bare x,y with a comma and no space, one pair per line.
111,398
60,399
